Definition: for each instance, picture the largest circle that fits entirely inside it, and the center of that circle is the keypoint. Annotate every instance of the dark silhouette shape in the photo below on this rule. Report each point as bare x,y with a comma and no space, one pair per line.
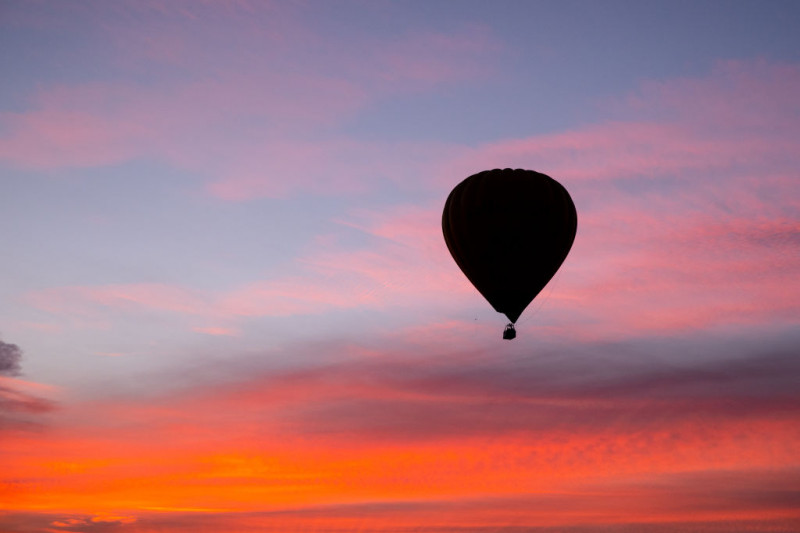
509,333
10,356
509,230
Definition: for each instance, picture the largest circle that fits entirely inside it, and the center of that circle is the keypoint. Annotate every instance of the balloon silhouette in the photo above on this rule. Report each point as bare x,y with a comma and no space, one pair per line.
509,230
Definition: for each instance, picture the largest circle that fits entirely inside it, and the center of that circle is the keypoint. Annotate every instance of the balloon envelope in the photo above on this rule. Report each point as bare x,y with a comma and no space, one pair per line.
509,230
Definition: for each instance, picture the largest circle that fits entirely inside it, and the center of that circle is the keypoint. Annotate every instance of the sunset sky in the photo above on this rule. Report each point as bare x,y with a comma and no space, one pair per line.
226,304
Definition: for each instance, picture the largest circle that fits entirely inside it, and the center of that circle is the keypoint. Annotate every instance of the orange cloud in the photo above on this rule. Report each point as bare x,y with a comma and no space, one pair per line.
442,440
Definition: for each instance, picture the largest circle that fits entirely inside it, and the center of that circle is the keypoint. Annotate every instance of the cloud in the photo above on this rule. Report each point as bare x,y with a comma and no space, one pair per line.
101,522
86,300
255,116
427,392
700,502
189,124
432,58
682,136
737,266
54,522
10,356
264,115
408,266
20,409
695,272
217,330
562,433
334,167
401,399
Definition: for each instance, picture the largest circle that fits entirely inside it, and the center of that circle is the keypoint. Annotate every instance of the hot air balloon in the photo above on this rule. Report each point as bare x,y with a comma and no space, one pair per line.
509,230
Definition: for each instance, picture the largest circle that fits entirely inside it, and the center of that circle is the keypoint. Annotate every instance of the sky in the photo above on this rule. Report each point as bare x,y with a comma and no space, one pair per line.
226,303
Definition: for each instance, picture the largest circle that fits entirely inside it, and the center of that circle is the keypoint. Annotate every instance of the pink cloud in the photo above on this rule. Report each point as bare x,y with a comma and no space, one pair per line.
340,167
703,130
258,121
84,300
446,334
51,139
188,124
263,123
688,218
409,266
217,331
737,95
44,327
737,122
685,268
298,295
393,275
641,150
689,271
431,58
27,387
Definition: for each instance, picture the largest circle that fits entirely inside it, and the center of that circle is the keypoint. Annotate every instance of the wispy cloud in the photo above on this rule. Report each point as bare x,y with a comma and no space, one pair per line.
22,405
451,397
736,266
217,330
256,117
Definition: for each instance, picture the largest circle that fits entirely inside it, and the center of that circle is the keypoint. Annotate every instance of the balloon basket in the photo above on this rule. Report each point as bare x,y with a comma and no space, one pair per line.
509,333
